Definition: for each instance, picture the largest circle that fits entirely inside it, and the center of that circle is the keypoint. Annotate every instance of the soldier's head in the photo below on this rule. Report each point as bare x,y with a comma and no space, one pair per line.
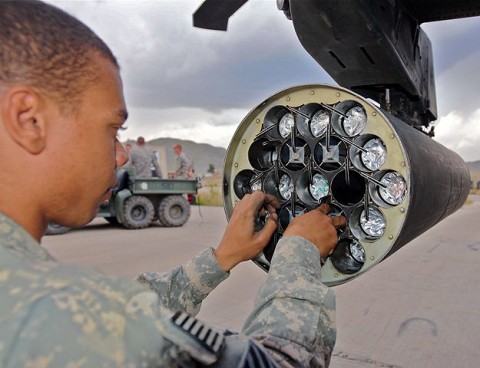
177,148
140,141
61,104
48,50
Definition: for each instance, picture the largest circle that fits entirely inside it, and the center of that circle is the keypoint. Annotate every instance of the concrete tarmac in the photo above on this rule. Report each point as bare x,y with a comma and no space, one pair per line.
418,308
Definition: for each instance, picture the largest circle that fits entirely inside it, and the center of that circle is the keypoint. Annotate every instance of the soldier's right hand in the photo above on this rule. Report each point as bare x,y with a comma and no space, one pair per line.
241,241
317,227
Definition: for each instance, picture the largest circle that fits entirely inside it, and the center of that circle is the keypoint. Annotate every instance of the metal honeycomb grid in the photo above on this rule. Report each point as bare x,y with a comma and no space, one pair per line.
296,146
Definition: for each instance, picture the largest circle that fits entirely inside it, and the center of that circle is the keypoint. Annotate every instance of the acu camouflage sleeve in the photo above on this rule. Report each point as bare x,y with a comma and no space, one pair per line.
185,287
93,321
294,313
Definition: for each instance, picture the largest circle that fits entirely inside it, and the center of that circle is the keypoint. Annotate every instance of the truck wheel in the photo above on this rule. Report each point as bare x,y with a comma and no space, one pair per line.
173,211
55,229
138,212
112,220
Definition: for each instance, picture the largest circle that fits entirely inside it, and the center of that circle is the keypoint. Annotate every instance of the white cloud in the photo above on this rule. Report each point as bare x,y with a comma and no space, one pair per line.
191,83
458,98
185,123
457,86
460,133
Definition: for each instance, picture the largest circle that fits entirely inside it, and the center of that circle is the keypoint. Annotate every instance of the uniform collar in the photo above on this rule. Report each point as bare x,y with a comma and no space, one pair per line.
13,236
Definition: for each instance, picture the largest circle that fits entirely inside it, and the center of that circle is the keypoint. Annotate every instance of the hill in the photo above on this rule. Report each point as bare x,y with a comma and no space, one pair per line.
474,167
201,154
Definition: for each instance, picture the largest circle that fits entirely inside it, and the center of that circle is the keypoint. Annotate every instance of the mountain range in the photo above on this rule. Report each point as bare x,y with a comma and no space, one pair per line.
474,167
201,154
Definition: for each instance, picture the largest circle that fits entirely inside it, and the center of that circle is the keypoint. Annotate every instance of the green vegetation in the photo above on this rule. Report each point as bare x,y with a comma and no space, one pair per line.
211,192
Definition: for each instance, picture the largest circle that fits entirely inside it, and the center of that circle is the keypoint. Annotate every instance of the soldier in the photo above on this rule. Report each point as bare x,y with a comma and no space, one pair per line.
61,101
142,158
184,165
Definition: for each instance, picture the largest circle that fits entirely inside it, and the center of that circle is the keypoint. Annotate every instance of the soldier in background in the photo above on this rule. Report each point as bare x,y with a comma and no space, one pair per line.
61,101
184,165
127,165
142,158
128,148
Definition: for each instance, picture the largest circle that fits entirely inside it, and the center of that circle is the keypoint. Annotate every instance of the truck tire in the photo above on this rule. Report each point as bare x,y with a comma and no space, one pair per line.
173,211
112,220
138,212
55,229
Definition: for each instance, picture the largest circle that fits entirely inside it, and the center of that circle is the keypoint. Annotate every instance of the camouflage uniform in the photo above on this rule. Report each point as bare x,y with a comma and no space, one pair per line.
52,315
142,159
184,167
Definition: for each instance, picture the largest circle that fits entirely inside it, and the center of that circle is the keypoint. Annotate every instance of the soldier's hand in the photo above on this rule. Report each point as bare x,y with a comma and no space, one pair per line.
241,242
317,227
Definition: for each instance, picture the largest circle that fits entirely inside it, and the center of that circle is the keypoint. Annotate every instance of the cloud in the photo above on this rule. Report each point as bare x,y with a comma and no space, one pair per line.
181,81
457,86
458,126
187,123
460,133
452,40
192,83
166,62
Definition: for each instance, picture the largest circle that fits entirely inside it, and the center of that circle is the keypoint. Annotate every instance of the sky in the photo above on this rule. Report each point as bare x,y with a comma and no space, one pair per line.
196,84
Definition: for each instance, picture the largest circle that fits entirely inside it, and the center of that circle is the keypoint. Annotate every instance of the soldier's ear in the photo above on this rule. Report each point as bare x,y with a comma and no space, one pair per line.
24,118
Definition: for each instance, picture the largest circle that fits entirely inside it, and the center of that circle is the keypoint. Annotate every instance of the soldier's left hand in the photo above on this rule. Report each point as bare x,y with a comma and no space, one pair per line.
241,242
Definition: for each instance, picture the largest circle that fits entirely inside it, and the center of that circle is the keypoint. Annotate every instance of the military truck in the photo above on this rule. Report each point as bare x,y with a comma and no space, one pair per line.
138,202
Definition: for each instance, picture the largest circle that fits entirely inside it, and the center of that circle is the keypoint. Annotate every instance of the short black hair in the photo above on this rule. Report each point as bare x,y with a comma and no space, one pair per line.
48,49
